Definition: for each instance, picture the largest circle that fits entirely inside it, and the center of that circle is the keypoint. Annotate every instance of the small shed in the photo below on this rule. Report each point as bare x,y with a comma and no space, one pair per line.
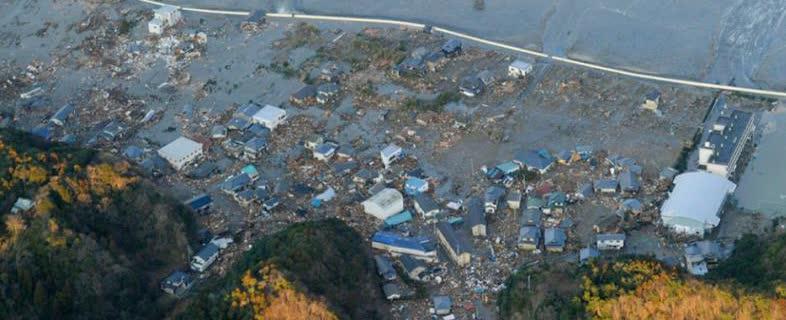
324,152
442,304
390,153
327,92
451,47
651,100
519,69
177,283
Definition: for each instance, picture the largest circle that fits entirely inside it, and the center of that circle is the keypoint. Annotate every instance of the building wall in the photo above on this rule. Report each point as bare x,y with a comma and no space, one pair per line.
423,255
719,169
460,259
704,155
610,245
479,230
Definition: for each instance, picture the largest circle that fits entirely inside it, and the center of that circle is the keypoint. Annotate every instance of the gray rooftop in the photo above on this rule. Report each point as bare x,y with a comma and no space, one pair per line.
605,184
554,237
493,194
456,242
207,251
410,264
426,202
724,143
629,182
475,213
529,234
530,217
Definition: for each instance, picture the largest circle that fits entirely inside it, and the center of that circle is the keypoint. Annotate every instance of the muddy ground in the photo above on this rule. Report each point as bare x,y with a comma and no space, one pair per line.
101,58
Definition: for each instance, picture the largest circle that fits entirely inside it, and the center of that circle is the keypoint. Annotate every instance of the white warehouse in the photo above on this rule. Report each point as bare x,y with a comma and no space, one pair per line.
695,204
384,204
181,152
270,116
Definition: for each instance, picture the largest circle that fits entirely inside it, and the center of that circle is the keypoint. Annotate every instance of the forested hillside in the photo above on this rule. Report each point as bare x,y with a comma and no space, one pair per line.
97,241
311,270
631,288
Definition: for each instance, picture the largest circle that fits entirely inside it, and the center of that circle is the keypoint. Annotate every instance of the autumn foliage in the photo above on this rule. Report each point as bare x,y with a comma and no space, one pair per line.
631,288
270,296
96,242
645,289
311,270
667,297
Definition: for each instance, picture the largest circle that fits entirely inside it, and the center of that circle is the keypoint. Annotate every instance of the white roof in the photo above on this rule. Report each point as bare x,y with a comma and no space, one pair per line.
391,150
269,114
696,200
384,204
180,148
521,64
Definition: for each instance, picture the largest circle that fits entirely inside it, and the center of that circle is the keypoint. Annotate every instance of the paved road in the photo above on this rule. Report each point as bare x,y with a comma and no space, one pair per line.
492,43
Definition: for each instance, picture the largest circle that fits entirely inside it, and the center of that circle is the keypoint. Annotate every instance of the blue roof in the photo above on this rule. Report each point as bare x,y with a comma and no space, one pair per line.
259,130
133,152
395,240
42,132
325,149
256,144
63,113
236,182
414,186
238,123
250,170
493,194
557,199
508,167
725,143
399,218
554,237
199,202
247,110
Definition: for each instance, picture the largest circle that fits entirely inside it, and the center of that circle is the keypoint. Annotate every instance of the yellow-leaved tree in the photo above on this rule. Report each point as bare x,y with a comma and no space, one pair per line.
270,296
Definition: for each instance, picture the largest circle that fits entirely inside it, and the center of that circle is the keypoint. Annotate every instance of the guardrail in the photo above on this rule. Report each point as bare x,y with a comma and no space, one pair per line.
638,75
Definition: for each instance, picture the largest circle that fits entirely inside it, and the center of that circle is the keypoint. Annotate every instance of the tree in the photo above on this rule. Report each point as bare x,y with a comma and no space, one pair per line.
40,298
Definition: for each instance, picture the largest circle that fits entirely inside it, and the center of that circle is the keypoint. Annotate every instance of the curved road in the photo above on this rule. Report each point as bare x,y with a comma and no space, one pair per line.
492,43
